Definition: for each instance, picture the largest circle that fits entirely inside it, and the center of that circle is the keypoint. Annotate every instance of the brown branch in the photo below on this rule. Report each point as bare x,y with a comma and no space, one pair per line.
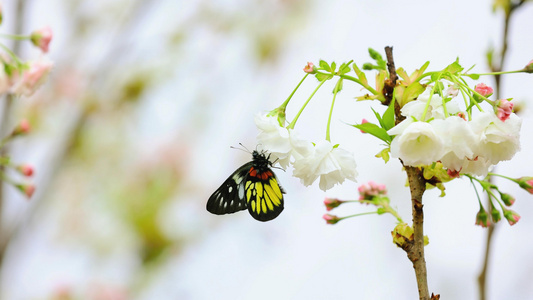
482,277
417,185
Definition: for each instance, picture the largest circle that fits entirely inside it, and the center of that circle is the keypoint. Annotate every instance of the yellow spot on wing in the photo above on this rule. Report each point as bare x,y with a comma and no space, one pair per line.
275,186
259,188
248,195
273,196
268,202
263,205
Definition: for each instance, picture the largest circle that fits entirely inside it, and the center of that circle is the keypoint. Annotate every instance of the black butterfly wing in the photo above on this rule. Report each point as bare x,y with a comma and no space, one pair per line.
264,195
230,196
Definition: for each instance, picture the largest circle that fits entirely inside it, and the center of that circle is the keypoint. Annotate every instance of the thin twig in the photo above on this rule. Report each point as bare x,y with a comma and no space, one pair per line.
482,277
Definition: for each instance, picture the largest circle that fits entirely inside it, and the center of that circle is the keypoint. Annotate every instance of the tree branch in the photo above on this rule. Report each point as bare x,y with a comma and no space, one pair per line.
417,185
482,277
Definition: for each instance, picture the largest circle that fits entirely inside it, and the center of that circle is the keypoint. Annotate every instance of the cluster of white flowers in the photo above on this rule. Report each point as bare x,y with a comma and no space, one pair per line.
467,146
332,164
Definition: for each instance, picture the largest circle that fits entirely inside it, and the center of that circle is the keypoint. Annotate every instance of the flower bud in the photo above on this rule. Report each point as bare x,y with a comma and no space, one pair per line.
526,183
310,68
496,216
484,90
371,190
331,219
529,67
482,218
331,203
27,189
25,169
41,38
511,216
503,109
402,234
23,128
507,199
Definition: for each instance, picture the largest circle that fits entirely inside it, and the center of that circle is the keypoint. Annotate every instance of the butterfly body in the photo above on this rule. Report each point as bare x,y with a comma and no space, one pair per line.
253,186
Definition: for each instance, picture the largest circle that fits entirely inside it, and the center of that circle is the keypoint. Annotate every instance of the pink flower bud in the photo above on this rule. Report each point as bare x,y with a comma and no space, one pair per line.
482,218
496,216
504,109
367,192
26,170
526,183
310,68
529,67
23,128
484,90
27,189
511,216
41,38
507,199
331,219
331,203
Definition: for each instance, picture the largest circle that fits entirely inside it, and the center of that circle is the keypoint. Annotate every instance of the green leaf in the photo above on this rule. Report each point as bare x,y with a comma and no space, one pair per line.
384,154
454,67
388,116
361,75
344,68
473,76
378,116
323,77
410,93
333,67
324,65
401,72
439,88
375,130
338,86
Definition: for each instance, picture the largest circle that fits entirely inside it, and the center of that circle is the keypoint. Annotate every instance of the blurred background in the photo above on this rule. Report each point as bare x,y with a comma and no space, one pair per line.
132,134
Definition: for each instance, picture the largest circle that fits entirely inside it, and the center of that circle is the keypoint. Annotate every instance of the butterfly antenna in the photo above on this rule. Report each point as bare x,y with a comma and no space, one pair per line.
242,149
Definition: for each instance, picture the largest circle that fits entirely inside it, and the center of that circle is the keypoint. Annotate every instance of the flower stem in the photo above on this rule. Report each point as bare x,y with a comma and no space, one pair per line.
360,214
284,104
291,125
331,113
499,73
17,37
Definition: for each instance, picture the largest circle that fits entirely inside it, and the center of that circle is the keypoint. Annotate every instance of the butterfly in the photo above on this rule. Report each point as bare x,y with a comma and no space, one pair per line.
253,186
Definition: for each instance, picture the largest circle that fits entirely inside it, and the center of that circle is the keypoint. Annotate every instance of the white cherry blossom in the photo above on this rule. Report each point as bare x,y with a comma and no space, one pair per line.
332,164
280,142
417,143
